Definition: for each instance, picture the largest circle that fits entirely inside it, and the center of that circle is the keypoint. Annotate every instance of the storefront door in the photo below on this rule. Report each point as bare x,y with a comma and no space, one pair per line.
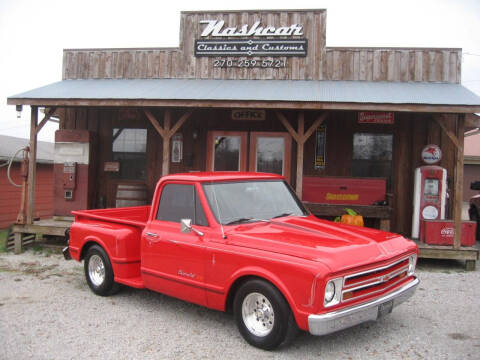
267,152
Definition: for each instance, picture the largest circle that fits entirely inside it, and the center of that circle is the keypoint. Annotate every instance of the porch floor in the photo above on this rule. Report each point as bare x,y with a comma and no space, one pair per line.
466,253
49,227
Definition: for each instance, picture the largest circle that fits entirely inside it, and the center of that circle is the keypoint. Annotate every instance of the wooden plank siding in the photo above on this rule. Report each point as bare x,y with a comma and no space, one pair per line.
393,64
364,64
10,195
321,62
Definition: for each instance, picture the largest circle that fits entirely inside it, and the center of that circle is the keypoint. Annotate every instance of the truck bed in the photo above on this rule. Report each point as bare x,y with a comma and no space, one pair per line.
135,215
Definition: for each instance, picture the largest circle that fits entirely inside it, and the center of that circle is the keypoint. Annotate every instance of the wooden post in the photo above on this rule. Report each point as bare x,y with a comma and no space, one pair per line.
32,165
166,143
300,137
457,210
17,242
300,148
166,132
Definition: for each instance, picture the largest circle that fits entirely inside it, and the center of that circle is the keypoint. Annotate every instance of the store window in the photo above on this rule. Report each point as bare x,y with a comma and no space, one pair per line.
129,148
372,156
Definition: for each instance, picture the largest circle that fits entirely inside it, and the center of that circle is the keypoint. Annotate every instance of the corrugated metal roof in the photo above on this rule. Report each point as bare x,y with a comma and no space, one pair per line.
9,146
258,90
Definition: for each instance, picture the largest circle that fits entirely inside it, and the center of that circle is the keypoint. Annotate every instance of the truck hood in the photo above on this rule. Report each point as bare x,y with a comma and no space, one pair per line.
338,246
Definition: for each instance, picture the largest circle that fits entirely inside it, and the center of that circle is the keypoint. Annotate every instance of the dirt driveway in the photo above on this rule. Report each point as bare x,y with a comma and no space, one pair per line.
48,312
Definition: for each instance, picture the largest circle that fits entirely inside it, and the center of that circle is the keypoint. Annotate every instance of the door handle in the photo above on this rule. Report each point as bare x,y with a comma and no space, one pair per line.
152,237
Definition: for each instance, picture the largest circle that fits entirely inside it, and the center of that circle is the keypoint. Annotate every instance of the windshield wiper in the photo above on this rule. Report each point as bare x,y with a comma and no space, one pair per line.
282,215
244,220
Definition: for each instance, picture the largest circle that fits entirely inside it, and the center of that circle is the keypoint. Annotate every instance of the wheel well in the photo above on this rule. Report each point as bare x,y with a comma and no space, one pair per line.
87,246
236,285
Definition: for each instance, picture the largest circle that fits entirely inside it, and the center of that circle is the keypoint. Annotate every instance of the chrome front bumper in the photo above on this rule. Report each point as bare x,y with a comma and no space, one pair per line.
341,319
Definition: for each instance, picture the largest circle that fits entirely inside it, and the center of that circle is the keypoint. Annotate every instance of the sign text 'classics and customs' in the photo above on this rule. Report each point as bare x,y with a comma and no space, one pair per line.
250,47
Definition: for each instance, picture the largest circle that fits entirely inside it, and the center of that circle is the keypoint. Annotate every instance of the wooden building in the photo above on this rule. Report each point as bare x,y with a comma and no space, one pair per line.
10,195
259,90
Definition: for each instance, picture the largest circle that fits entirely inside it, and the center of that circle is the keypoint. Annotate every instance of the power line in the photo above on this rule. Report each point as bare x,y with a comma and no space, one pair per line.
472,54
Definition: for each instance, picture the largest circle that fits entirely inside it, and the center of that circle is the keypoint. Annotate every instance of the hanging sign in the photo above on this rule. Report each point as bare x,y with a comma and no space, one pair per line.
320,144
247,114
431,154
375,117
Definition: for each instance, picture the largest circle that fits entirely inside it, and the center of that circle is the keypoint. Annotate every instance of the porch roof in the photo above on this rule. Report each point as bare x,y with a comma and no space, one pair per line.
295,94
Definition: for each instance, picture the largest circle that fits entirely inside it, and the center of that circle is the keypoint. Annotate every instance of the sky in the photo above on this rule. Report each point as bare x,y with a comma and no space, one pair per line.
34,33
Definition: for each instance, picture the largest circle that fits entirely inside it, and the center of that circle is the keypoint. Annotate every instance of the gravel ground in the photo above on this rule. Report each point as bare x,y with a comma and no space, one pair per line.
47,311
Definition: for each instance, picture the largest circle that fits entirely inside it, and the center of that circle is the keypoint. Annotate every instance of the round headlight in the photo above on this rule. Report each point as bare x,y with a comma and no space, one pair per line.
329,291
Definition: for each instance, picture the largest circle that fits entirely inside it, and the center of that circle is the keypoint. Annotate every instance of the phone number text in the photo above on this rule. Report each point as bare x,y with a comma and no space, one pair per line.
250,63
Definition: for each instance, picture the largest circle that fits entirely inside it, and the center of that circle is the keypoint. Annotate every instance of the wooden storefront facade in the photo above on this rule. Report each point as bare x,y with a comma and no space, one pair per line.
279,47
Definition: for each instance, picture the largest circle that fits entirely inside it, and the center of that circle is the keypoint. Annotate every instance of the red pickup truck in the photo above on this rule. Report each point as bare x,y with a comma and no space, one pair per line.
244,242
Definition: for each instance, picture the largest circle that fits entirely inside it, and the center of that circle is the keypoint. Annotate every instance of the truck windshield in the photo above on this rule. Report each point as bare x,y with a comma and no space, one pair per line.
249,201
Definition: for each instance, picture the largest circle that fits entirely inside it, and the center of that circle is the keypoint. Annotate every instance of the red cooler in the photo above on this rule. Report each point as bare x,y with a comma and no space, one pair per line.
442,232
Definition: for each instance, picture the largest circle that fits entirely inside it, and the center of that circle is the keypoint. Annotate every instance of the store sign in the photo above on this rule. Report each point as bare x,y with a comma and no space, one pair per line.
246,114
250,47
111,166
216,28
375,117
431,154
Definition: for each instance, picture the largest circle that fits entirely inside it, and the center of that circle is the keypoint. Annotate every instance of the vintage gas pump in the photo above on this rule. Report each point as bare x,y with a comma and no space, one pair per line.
430,189
69,179
74,171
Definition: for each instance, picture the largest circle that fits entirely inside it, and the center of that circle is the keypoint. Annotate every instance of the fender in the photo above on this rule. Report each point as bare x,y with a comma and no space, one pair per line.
97,240
301,317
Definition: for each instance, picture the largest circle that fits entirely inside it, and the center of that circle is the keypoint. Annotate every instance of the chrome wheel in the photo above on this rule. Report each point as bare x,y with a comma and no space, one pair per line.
258,315
96,270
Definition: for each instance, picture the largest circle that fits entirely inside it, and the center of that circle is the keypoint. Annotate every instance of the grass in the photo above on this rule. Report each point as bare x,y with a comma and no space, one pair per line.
3,240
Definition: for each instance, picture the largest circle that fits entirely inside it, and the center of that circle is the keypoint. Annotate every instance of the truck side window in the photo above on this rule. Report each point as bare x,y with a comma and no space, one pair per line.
180,201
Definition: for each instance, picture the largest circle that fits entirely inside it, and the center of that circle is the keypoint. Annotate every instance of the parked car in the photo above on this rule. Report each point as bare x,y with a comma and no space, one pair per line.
474,210
244,242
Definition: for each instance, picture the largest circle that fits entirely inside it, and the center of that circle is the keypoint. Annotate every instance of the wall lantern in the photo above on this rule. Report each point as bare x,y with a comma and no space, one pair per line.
19,111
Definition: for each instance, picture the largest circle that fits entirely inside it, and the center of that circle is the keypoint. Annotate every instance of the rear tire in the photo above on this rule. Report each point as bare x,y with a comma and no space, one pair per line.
99,272
263,316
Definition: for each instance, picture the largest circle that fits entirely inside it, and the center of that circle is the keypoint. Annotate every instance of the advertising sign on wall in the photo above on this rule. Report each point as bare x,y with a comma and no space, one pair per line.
320,144
375,117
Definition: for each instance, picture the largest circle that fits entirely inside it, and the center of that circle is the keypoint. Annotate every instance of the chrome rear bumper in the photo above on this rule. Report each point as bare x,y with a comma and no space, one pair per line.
341,319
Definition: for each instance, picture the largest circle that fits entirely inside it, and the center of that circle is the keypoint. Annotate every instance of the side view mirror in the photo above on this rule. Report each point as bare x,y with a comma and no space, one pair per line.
475,185
186,227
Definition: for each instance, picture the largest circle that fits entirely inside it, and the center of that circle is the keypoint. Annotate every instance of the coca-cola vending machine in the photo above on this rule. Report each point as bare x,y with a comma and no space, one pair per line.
430,191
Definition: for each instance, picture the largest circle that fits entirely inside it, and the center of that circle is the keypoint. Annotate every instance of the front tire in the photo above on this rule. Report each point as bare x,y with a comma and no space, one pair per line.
263,316
99,272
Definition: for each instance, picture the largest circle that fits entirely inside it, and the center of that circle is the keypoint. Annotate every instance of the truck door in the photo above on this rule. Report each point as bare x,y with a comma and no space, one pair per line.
173,262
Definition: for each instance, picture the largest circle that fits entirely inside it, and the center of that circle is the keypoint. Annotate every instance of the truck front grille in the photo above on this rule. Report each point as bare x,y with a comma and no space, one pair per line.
374,281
